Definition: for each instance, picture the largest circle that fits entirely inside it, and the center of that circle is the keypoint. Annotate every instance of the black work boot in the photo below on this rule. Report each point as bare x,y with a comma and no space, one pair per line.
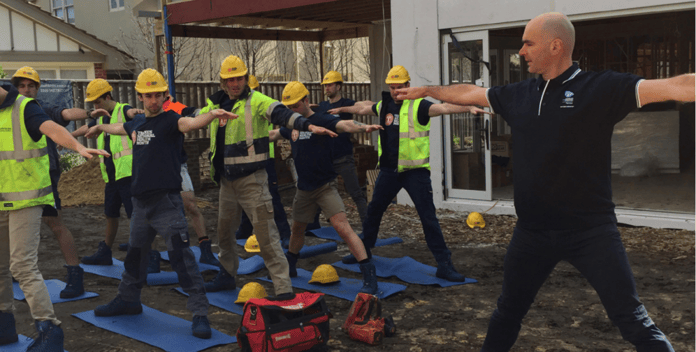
50,338
8,331
369,273
101,257
445,270
292,263
223,281
207,256
74,286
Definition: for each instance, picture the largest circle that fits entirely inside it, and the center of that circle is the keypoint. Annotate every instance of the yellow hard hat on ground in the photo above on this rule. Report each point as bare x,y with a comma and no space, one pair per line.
251,290
27,72
97,88
475,219
150,81
232,66
332,77
294,92
252,244
325,274
397,75
253,82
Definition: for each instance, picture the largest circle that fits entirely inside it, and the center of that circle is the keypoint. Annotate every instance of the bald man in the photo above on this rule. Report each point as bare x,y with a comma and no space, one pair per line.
562,122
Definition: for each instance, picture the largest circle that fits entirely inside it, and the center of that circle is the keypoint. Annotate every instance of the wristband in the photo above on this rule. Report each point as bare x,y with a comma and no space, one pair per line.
89,113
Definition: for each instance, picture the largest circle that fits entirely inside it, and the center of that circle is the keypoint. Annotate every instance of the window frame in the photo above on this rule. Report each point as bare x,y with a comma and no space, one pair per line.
64,8
120,5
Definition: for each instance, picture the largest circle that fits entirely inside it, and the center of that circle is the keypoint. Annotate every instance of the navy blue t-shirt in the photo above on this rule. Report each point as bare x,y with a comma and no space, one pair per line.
561,132
156,154
108,162
389,137
342,144
313,153
55,113
34,115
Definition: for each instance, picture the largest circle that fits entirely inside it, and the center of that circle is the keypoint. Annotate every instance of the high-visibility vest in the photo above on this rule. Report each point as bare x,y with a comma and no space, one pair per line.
121,148
24,177
414,138
246,138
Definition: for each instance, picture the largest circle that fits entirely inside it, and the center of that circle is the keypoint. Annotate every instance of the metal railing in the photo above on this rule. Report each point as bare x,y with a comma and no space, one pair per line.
196,93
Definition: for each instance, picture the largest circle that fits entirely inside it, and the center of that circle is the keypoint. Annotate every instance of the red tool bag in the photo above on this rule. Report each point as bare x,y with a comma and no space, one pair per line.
365,322
297,324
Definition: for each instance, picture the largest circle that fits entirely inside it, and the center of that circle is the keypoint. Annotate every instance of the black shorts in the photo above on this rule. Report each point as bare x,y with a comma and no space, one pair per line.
115,194
50,210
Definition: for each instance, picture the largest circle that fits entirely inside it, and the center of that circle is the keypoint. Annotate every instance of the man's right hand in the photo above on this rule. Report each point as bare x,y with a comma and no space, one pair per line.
99,112
321,131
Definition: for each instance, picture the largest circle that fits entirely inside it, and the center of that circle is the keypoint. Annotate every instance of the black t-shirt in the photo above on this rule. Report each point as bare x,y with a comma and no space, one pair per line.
34,115
55,113
562,168
342,144
389,137
156,154
313,153
108,162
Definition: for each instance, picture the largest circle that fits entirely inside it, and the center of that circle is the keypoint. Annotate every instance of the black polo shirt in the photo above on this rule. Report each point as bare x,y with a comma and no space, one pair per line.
342,144
561,130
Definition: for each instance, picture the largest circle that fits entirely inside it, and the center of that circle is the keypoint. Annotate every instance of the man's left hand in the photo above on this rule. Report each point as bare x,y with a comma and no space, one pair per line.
321,131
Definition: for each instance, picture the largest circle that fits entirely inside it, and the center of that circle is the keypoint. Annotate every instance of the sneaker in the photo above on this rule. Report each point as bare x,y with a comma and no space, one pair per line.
8,331
292,263
207,256
223,281
74,286
201,327
50,338
118,307
101,257
369,273
153,266
445,270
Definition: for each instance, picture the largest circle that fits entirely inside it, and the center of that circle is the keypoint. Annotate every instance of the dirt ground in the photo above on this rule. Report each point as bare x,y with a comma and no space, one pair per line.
567,315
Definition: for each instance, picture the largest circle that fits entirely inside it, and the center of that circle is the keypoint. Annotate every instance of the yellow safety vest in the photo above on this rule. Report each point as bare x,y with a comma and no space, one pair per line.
121,148
246,138
24,178
414,138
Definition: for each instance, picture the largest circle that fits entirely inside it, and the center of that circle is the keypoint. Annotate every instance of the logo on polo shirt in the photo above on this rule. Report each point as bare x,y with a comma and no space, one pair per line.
568,100
391,119
144,137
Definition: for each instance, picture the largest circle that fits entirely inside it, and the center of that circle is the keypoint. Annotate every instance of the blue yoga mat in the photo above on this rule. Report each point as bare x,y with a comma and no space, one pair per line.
157,329
329,233
116,270
407,269
346,288
20,346
223,299
196,252
308,251
54,288
246,266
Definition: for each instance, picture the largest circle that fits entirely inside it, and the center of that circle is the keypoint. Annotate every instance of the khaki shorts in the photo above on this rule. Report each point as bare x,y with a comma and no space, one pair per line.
326,197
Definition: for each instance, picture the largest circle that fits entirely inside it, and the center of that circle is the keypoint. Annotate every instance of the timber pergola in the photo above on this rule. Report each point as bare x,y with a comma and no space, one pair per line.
284,20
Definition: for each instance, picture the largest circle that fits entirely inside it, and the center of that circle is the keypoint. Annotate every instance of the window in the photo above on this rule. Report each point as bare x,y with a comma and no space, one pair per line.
116,5
64,10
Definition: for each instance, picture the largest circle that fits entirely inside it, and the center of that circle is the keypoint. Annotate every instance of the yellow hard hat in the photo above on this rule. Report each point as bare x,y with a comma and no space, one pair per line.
252,244
397,75
325,274
332,77
97,88
27,72
475,219
150,81
232,66
293,92
251,290
253,82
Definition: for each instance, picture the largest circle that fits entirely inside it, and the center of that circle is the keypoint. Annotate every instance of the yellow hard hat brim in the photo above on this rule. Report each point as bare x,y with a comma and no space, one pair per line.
236,74
291,101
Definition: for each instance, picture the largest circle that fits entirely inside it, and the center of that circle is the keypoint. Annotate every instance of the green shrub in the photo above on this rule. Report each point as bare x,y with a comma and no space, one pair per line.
70,160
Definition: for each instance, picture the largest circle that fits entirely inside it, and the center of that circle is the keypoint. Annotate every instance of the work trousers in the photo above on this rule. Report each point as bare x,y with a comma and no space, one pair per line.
19,249
251,195
419,187
162,213
599,255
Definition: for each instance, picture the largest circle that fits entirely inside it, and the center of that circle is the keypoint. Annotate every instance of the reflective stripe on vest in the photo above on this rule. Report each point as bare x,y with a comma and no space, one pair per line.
122,167
412,142
19,153
252,157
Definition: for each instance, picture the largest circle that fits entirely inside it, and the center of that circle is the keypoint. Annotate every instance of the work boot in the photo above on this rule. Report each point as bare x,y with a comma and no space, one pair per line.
292,262
101,257
201,327
350,259
223,281
207,256
8,331
50,338
118,307
369,273
445,270
153,266
74,286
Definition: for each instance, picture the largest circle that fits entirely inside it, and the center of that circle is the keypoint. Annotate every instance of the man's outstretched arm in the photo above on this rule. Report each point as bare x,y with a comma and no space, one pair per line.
679,88
458,94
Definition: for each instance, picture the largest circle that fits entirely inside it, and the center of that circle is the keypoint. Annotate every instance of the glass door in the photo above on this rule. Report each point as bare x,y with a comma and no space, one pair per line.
467,142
